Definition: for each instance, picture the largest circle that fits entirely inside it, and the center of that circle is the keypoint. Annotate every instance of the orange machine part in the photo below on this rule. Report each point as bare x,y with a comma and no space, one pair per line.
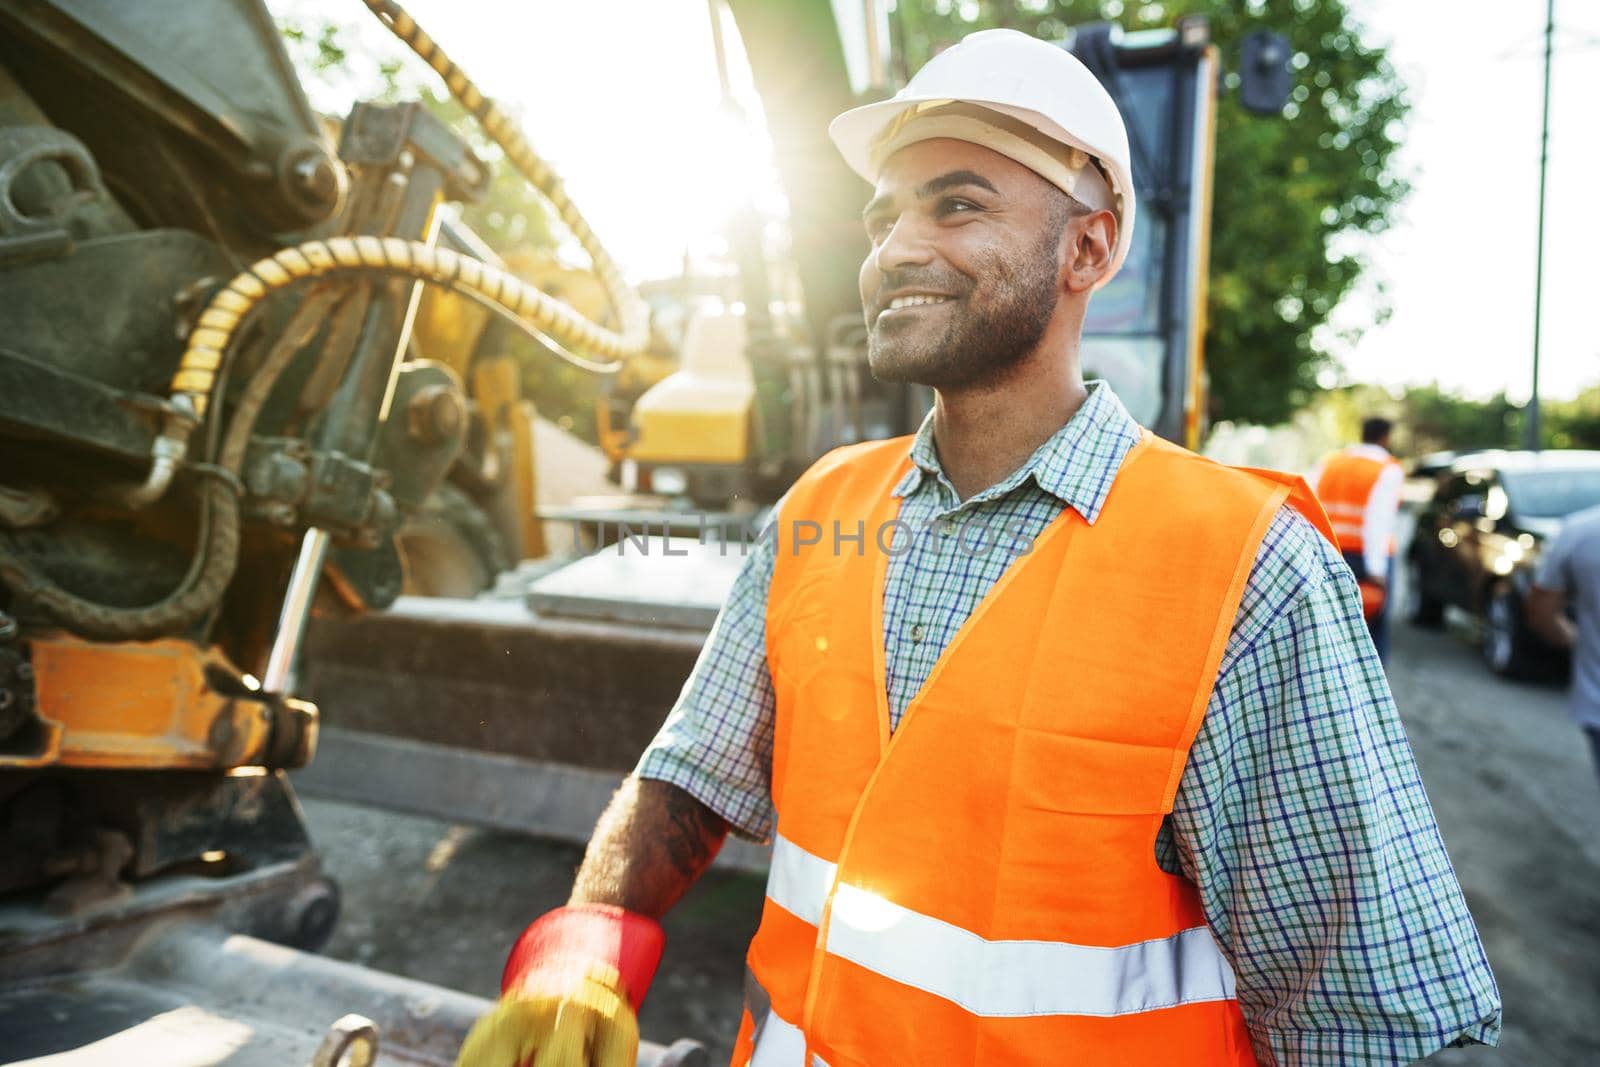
133,705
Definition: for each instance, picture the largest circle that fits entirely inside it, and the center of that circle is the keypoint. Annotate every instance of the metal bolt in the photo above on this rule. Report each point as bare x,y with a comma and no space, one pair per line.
435,414
314,178
23,672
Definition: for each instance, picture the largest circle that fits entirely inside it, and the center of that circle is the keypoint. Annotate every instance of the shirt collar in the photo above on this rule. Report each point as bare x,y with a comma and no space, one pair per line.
1076,465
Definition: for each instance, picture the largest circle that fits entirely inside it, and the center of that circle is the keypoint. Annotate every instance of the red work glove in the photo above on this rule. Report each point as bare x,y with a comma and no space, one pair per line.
1373,594
570,993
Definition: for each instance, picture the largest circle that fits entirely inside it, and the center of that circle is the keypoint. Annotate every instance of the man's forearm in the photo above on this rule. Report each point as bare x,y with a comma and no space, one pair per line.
1546,613
1557,629
649,847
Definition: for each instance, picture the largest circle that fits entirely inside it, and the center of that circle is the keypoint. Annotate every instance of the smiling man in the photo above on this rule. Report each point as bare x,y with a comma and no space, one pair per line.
1118,780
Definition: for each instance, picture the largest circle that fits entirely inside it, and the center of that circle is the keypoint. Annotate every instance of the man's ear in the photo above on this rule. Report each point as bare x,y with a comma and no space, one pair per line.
1086,248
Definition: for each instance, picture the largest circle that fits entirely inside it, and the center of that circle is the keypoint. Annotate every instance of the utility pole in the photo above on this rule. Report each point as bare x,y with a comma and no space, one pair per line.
1532,437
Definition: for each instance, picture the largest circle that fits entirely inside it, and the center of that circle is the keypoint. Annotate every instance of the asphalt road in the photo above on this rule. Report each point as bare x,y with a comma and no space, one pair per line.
1517,799
1508,773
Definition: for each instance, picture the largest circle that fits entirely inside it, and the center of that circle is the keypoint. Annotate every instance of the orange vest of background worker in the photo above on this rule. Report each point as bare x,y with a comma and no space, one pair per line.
1359,487
1021,912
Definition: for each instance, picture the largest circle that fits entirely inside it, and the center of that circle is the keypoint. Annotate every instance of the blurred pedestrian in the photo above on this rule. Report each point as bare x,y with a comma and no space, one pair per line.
1569,574
1359,487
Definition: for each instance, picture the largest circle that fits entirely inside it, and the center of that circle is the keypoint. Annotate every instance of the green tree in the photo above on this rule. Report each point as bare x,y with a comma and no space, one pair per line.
1574,423
1439,421
1286,189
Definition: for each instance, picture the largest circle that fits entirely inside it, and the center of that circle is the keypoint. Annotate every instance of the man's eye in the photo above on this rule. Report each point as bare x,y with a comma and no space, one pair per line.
954,205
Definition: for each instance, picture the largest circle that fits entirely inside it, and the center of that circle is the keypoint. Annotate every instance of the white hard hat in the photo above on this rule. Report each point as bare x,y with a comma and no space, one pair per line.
1038,84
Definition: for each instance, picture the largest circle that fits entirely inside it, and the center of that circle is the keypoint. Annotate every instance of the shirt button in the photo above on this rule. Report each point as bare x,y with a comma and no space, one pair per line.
947,527
916,632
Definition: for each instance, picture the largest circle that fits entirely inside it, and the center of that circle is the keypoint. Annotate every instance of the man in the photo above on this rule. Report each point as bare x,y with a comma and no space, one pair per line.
1359,487
1570,573
1070,744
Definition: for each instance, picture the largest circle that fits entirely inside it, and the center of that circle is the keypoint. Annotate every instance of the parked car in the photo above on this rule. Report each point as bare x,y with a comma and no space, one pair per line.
1432,465
1478,540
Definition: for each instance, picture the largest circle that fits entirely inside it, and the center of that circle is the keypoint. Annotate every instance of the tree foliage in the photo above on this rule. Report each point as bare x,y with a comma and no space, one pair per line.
1287,189
1438,420
1435,420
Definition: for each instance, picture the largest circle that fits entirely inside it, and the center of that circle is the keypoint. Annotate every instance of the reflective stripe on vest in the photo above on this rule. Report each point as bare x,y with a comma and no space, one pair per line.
997,978
781,1044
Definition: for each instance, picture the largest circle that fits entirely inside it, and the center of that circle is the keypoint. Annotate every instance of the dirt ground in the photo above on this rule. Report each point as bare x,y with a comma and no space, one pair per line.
1508,774
443,903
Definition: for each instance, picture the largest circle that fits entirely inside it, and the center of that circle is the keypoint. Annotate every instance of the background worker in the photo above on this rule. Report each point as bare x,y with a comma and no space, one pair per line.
1130,790
1569,576
1359,487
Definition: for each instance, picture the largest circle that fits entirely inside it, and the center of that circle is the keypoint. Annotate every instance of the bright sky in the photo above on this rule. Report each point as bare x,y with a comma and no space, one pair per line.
1459,268
622,96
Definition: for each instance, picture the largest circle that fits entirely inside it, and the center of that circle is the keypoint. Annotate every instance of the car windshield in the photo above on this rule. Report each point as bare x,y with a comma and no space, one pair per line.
1553,494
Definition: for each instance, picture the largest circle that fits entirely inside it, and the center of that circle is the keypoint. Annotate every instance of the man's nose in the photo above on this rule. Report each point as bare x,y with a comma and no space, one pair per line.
905,245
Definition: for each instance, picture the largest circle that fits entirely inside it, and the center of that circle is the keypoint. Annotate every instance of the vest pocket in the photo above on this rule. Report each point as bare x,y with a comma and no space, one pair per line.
799,637
1068,774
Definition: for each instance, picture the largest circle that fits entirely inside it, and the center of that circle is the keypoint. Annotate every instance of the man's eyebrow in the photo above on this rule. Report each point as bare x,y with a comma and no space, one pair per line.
932,187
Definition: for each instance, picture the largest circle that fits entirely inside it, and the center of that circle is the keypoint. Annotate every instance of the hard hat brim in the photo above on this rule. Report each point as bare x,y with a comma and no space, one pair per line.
853,133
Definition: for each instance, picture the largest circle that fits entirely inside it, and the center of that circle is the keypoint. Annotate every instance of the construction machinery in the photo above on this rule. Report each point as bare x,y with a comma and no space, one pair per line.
249,368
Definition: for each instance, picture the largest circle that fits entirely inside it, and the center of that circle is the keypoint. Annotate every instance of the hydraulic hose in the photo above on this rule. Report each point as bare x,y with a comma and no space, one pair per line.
502,130
535,311
208,577
216,553
196,378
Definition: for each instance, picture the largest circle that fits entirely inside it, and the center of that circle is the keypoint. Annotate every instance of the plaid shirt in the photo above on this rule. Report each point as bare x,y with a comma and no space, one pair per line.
1300,816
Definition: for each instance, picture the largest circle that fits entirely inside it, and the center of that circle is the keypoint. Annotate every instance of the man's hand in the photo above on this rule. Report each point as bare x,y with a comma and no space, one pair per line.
576,977
580,1019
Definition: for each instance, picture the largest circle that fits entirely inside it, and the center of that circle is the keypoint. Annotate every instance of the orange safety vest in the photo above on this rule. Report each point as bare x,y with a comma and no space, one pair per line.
981,887
1344,487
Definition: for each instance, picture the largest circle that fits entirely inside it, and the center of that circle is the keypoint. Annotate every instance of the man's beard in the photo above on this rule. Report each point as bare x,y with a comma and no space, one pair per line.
977,343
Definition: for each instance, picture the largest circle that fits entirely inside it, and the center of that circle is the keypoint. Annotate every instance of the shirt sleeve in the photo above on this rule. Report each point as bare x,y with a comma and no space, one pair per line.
716,742
1302,820
1377,526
